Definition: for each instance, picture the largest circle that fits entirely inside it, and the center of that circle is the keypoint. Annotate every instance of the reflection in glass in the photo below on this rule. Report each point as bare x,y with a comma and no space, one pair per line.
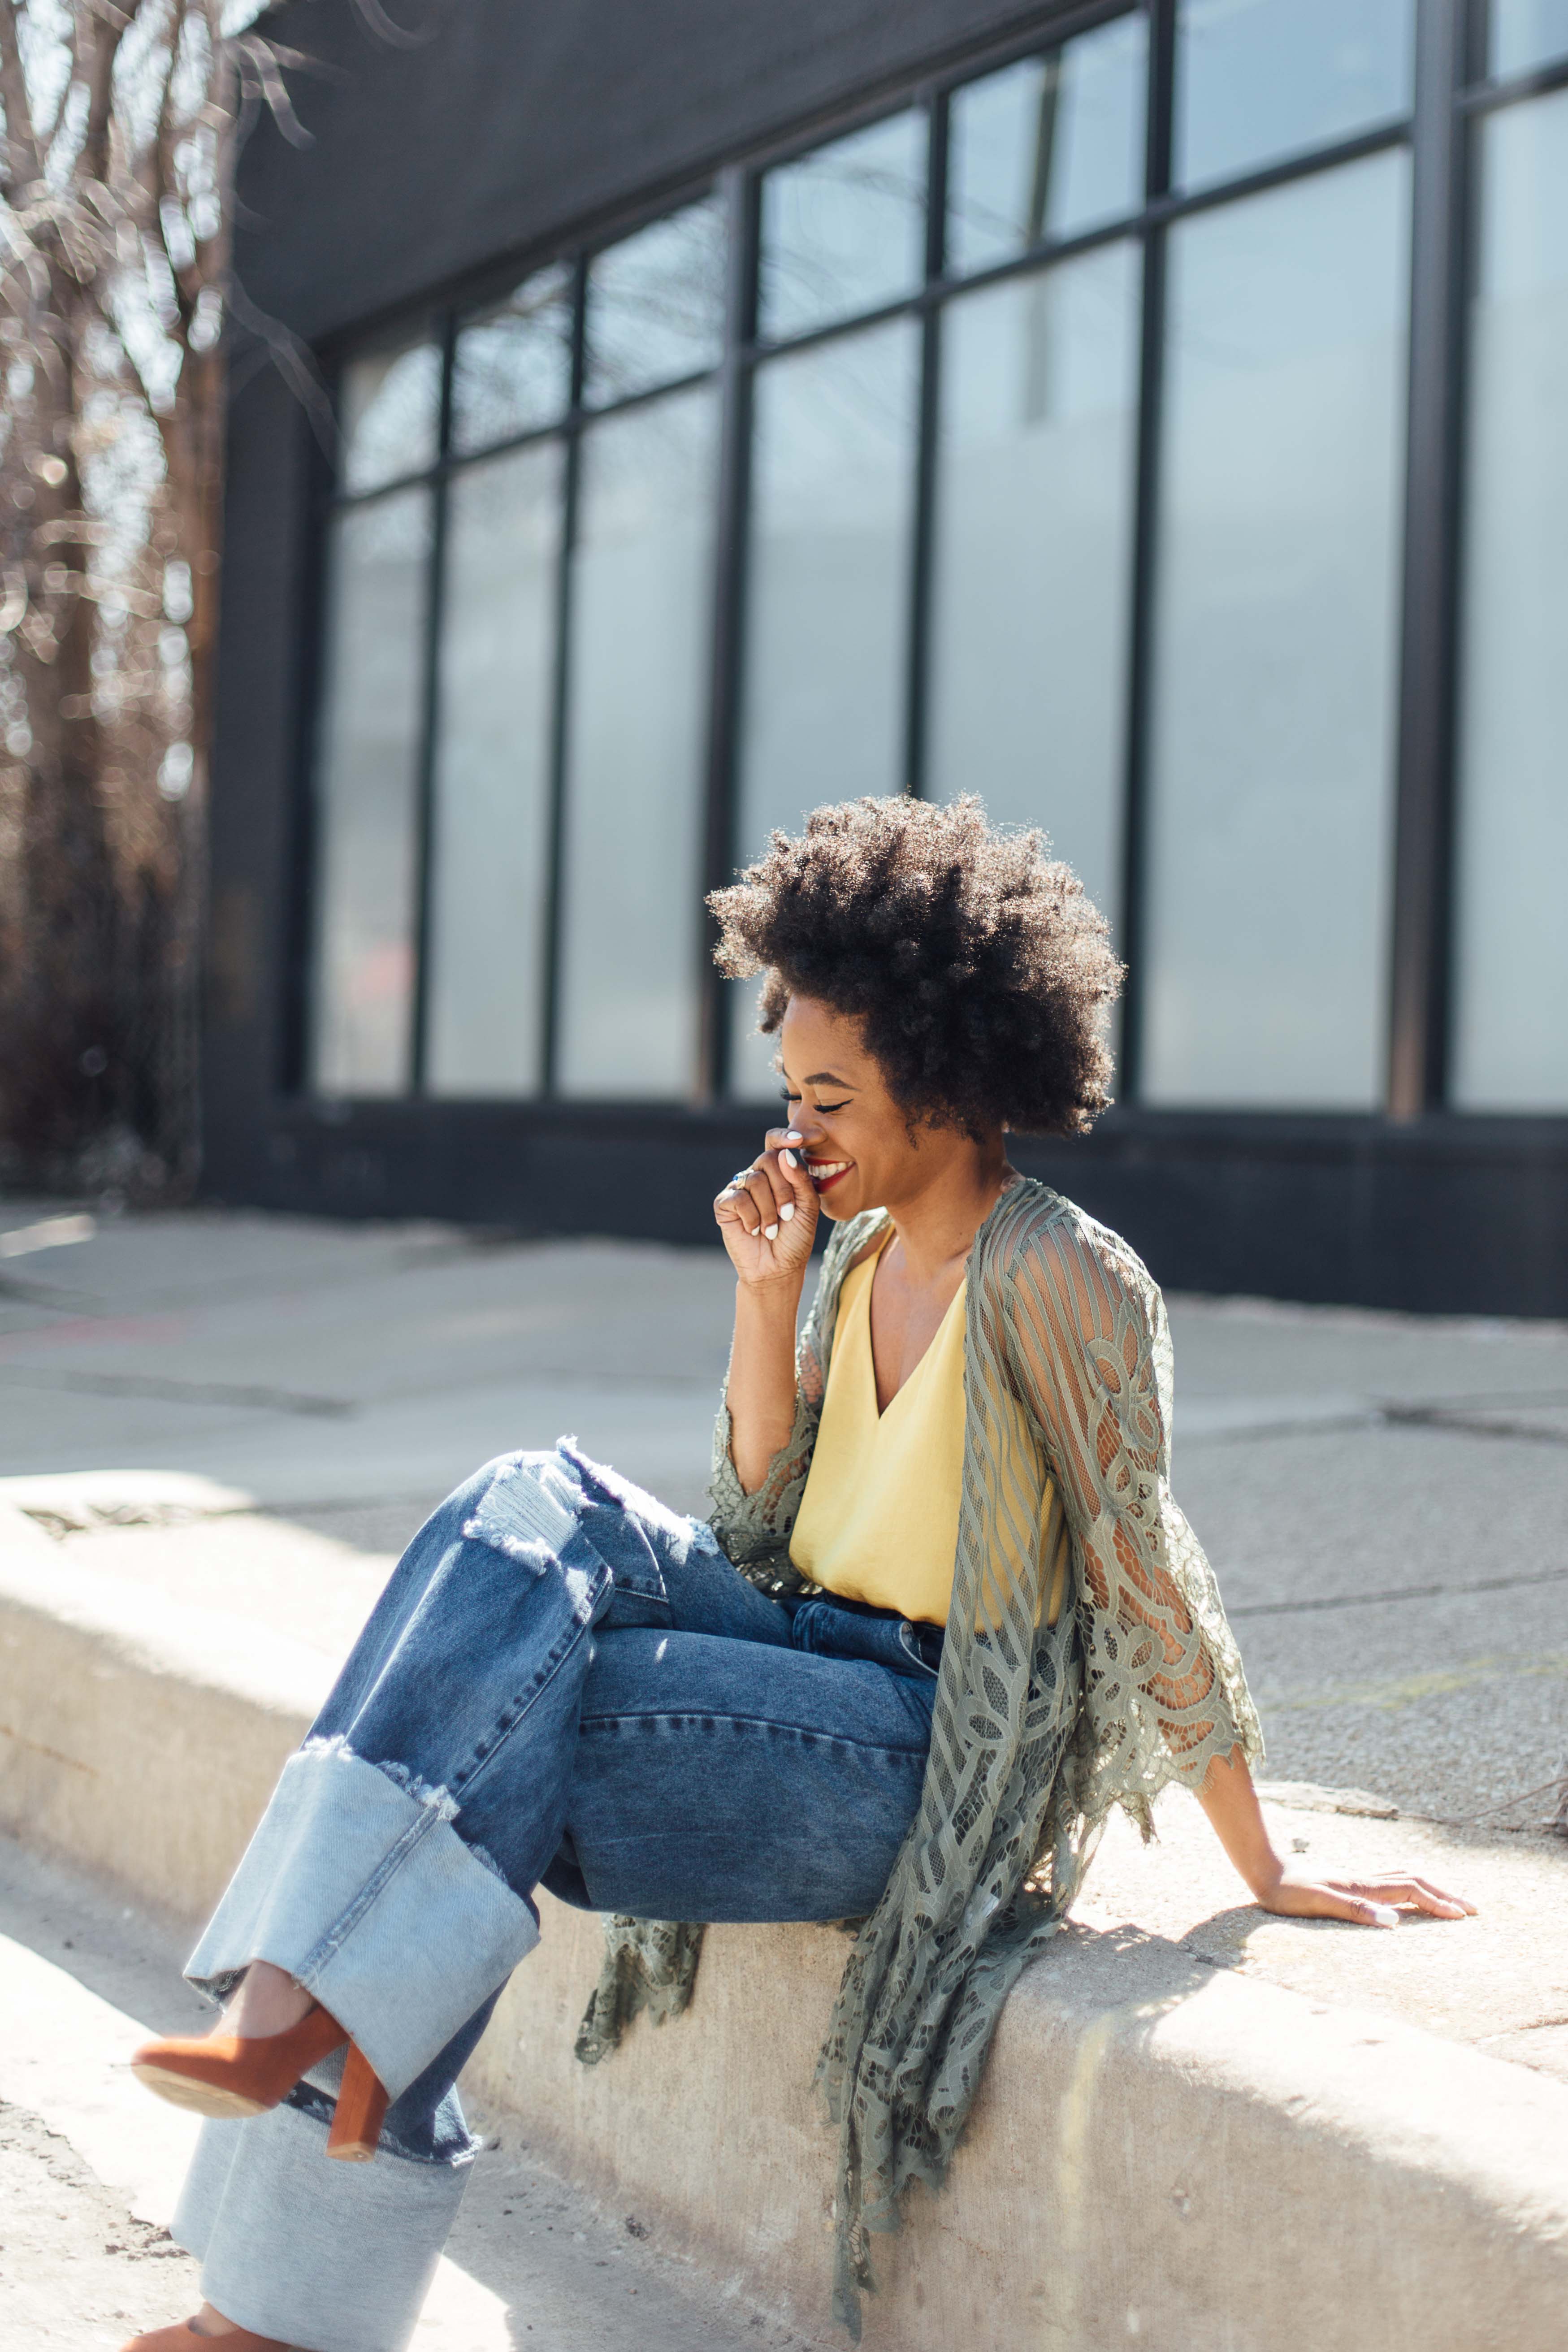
656,304
1257,79
1268,880
844,228
389,415
1527,33
1048,148
1511,1046
641,622
367,791
491,817
512,364
1034,546
832,520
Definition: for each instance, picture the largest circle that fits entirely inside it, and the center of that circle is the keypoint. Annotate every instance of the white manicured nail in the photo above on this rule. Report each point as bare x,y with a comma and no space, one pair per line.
789,1160
771,1233
786,1212
1383,1915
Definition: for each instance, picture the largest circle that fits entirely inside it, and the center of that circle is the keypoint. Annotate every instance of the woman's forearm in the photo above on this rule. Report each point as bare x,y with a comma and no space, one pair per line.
761,1377
1230,1800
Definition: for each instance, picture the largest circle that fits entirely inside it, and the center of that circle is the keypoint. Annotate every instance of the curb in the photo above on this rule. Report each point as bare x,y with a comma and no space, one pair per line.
1163,2152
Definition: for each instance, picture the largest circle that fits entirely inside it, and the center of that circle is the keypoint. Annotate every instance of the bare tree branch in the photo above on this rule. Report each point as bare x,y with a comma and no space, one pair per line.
271,89
22,163
108,27
382,26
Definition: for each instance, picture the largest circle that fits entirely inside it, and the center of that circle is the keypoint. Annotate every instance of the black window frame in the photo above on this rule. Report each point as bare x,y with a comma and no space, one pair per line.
1452,92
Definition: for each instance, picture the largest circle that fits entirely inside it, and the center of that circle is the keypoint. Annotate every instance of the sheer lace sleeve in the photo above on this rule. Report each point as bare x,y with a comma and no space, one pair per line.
755,1529
1088,1346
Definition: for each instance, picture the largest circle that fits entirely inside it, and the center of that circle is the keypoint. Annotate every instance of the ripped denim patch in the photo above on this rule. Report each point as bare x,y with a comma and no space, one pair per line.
527,1511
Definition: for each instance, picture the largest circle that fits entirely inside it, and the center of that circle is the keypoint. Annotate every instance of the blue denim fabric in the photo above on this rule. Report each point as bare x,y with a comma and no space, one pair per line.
613,1723
567,1684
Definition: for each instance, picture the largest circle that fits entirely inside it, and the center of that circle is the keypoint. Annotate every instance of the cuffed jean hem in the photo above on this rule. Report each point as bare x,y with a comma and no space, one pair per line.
338,1887
328,2257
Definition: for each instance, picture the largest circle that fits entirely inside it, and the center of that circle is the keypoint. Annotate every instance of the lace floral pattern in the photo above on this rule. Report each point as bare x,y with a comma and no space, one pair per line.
1038,1730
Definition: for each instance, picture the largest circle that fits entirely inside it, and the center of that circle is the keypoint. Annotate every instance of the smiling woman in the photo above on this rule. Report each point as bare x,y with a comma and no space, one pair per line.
946,1614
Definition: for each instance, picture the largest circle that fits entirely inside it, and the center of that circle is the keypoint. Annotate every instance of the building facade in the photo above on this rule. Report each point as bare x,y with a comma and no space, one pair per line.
1148,418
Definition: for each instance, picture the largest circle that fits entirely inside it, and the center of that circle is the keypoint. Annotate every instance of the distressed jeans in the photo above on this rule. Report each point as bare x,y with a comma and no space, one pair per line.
564,1685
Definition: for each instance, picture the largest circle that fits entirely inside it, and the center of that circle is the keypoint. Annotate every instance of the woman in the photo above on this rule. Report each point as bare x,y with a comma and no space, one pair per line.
945,1616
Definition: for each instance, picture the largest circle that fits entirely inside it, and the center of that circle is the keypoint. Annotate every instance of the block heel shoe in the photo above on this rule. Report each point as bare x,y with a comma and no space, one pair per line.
231,2075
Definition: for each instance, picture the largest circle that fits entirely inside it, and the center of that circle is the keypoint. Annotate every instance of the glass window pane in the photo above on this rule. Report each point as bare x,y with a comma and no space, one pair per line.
844,228
511,366
1527,33
827,604
1270,820
367,793
1257,79
656,304
1048,148
1512,1036
1040,390
642,613
491,829
389,414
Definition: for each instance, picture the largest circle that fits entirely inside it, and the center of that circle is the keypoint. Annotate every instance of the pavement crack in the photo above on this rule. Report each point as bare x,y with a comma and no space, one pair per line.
172,1392
1394,1593
1466,1422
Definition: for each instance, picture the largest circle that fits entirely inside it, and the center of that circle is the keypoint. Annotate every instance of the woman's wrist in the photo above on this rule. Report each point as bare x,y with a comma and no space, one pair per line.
775,1301
1263,1873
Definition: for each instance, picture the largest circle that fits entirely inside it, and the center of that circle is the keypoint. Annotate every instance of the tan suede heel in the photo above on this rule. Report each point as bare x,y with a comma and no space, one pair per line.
361,2110
229,2076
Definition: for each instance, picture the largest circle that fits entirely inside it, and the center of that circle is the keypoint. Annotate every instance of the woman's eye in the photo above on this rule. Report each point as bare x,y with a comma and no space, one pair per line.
827,1109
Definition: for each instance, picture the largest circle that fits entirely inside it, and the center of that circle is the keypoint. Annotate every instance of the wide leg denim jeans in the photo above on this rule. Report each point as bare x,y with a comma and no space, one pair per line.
565,1684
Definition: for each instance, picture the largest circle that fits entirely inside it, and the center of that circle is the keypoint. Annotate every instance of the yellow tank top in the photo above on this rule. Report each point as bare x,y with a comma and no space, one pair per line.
878,1519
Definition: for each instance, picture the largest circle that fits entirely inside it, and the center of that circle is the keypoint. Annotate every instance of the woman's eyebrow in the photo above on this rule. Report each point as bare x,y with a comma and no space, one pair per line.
827,1078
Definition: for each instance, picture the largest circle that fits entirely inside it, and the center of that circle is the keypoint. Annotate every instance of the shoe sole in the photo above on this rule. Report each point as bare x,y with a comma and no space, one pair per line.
203,2098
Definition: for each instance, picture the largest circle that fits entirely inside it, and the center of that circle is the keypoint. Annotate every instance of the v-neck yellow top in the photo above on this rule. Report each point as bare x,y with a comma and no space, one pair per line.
878,1519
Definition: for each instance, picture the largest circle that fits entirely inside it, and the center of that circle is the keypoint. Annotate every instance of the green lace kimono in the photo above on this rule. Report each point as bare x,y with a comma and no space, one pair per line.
1037,1730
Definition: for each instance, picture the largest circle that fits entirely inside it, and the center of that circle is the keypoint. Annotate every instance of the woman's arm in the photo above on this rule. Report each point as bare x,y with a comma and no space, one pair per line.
1084,1334
1230,1800
767,1218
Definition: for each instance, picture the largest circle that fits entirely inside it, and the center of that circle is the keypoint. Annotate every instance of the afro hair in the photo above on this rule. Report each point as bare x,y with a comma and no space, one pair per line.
980,976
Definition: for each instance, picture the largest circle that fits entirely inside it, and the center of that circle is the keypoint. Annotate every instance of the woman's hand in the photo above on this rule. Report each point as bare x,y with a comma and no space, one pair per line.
1369,1901
1230,1800
767,1215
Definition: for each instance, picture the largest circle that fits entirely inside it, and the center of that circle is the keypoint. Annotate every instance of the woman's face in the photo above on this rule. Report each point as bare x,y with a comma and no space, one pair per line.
859,1152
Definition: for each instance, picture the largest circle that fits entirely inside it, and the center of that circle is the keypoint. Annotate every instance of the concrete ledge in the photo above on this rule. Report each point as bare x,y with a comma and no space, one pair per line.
139,1737
1164,2152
